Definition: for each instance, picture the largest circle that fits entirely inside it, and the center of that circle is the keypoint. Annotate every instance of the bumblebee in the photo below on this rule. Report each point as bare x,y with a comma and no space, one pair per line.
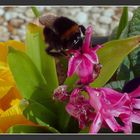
61,34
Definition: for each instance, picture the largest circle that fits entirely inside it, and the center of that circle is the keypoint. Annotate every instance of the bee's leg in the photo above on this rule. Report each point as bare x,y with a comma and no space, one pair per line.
83,29
49,49
63,52
57,53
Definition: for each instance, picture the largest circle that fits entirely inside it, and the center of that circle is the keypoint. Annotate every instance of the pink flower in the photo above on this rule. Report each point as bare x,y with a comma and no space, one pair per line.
133,102
85,62
60,93
79,107
110,104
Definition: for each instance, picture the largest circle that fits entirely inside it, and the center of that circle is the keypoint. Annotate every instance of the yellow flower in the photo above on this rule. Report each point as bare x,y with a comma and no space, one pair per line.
11,111
4,48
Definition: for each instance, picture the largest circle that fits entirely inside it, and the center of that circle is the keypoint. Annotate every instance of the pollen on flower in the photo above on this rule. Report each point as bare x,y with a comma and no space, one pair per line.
60,93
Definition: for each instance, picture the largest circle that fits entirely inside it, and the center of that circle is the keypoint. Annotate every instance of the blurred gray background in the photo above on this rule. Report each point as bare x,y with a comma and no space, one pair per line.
13,20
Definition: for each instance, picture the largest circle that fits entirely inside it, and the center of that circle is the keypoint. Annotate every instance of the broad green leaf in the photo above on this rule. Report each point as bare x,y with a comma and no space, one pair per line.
72,126
111,55
70,82
125,72
134,58
117,85
29,80
36,50
134,27
31,129
132,61
123,22
124,33
64,117
112,36
39,114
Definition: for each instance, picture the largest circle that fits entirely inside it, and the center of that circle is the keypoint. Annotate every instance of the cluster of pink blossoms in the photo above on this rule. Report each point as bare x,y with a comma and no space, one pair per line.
104,105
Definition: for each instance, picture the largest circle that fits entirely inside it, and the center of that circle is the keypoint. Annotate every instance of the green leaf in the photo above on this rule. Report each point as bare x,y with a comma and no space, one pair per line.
39,114
64,117
111,55
125,72
123,22
124,33
113,35
29,80
134,59
134,27
35,11
70,82
36,50
132,62
117,85
31,129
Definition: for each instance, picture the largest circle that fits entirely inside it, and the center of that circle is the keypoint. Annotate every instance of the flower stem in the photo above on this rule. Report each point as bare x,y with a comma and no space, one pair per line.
35,11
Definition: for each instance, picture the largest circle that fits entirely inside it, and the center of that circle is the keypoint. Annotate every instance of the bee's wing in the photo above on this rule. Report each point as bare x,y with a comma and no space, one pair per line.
48,19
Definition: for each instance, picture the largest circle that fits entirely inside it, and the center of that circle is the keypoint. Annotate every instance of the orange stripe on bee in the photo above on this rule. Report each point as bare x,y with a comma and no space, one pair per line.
70,32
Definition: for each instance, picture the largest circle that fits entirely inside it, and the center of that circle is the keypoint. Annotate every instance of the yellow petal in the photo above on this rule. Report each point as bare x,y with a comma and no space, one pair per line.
3,64
7,122
3,52
1,111
12,111
16,44
13,94
11,43
14,102
12,116
6,81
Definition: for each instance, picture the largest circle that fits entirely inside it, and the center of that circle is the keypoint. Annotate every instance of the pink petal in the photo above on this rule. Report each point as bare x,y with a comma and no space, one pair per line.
96,125
85,71
136,103
118,111
87,40
73,64
135,117
135,93
94,98
127,123
111,95
74,95
96,48
121,101
92,56
128,128
70,108
112,123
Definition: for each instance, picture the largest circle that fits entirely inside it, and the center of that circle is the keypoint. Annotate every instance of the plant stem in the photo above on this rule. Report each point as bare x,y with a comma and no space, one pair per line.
35,11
